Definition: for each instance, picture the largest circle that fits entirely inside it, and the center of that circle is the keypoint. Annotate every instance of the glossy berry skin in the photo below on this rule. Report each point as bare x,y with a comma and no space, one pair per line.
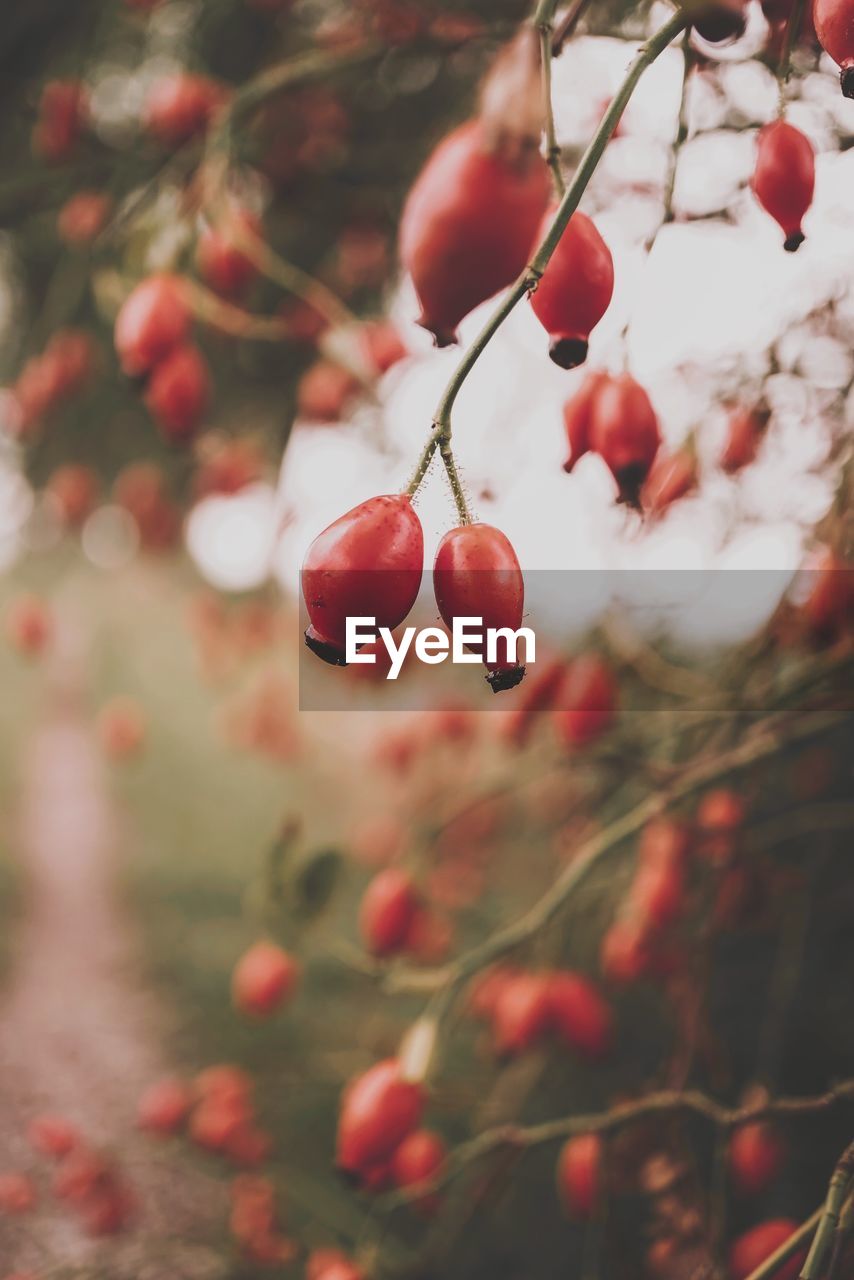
623,957
368,563
153,319
588,701
575,290
62,114
579,1176
388,911
576,417
179,392
222,263
264,979
829,608
468,227
522,1013
784,178
834,26
579,1014
756,1155
673,476
624,432
378,1110
82,217
752,1248
476,575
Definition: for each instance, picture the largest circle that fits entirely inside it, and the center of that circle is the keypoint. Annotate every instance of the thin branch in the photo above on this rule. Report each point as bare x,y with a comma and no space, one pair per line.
665,1102
225,316
771,1266
645,56
552,147
837,1192
784,66
447,981
565,29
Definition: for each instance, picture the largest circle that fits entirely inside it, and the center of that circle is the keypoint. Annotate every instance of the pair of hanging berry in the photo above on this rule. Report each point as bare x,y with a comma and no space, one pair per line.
369,564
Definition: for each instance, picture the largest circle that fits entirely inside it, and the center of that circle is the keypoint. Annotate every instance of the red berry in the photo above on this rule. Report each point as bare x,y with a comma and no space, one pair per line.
154,318
756,1155
179,391
784,178
539,694
720,812
576,417
672,476
83,216
419,1160
657,894
588,702
180,106
745,432
624,958
264,979
53,1136
522,1013
468,226
29,625
378,1110
222,262
624,432
476,575
17,1193
225,1083
382,345
752,1248
828,608
368,563
834,26
387,912
579,1175
575,290
486,990
579,1014
326,391
664,841
164,1106
63,110
320,1262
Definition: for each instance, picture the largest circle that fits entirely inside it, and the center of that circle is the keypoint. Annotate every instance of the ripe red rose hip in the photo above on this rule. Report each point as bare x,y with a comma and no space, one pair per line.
179,392
576,417
468,226
579,1014
476,575
575,290
756,1155
368,563
745,432
419,1160
752,1248
378,1110
222,262
388,911
164,1106
153,319
579,1175
264,979
673,476
588,701
521,1017
784,178
180,106
624,432
834,26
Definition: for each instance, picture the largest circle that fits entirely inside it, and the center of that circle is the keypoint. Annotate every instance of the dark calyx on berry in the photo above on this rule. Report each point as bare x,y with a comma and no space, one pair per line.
846,79
328,652
507,678
630,481
794,241
568,353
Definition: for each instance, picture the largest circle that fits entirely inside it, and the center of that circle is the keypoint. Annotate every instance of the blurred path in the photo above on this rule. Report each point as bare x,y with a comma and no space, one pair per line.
81,1036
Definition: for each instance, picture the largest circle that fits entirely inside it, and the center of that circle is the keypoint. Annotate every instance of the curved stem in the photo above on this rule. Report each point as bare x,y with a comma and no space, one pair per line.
771,1266
552,147
837,1192
645,56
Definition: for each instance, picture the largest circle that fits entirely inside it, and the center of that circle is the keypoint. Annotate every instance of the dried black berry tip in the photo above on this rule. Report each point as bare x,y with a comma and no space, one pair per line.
441,337
630,481
846,79
328,652
794,241
568,353
507,678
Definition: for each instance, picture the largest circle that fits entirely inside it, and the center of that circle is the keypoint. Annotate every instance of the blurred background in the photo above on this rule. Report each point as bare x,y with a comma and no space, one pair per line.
169,801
